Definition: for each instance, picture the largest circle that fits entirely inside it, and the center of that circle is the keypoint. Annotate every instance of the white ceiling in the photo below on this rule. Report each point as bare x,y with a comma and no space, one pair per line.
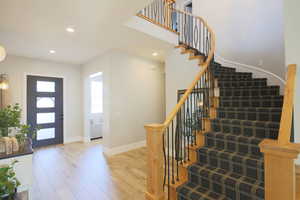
33,27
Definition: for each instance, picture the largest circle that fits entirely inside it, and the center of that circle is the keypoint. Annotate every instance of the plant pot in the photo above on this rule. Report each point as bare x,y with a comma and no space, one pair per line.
8,197
25,145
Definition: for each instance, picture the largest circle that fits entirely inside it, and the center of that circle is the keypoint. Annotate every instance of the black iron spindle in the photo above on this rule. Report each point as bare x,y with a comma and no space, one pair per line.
172,127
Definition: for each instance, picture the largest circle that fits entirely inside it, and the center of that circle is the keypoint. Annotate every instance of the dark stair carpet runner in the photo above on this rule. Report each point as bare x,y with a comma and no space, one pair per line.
230,166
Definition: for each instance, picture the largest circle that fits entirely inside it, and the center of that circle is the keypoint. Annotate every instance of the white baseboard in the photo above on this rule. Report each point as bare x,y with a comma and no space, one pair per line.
73,139
124,148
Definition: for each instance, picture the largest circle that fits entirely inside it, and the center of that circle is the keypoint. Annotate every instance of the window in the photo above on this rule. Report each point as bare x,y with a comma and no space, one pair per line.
45,102
46,133
96,97
45,86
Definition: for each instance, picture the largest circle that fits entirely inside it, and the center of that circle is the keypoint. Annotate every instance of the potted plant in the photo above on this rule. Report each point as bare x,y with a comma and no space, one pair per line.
11,126
8,182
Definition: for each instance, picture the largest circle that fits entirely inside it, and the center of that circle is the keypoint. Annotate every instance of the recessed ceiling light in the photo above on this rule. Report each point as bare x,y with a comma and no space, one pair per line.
155,54
52,51
70,30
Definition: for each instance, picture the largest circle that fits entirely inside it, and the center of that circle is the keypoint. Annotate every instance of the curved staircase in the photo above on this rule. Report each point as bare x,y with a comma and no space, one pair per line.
230,164
230,136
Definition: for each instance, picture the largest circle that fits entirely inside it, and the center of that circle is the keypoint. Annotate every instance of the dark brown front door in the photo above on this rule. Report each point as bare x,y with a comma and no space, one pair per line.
45,109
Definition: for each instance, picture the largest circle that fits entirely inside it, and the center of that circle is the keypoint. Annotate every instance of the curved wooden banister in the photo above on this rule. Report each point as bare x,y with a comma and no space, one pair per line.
210,56
288,106
172,140
190,14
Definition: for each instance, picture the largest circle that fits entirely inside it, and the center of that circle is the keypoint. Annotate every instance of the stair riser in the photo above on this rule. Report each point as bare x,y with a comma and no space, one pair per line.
250,103
230,73
248,92
233,76
226,144
224,185
220,68
187,193
255,116
244,130
232,84
236,164
224,70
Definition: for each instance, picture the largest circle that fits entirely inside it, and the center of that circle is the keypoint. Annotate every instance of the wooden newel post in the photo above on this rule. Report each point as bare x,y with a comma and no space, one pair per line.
280,175
155,160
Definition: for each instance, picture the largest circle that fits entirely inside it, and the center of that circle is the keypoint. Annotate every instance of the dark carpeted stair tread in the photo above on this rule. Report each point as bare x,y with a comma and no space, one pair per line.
250,91
218,70
234,78
229,73
191,191
258,129
237,143
259,101
255,82
219,67
276,97
223,76
251,109
233,186
254,114
242,164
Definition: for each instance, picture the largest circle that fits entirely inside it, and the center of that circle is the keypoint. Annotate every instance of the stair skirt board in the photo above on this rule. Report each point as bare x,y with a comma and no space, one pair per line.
230,165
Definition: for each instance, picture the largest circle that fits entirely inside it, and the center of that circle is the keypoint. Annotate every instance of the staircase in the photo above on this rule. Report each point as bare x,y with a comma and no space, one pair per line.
230,164
230,135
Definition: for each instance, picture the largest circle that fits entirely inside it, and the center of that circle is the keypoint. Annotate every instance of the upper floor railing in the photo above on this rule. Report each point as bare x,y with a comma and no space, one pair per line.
160,13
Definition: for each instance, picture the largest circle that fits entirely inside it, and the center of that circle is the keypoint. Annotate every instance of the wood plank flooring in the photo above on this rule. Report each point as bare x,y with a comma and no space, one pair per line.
80,171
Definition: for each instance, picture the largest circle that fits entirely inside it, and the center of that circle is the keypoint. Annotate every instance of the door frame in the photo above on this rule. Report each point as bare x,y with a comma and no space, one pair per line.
24,107
87,106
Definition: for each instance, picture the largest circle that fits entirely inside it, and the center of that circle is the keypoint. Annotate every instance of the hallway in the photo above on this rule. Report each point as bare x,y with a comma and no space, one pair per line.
80,171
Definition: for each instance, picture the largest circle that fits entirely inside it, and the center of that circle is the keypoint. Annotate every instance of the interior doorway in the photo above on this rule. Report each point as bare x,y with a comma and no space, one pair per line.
96,116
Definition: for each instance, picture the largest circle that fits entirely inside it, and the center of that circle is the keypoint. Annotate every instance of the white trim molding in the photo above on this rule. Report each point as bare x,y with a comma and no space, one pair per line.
73,139
121,149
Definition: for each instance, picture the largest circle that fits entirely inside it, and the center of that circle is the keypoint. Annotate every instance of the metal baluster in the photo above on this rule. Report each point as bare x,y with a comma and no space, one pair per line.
184,133
172,126
196,115
168,157
165,159
188,129
179,140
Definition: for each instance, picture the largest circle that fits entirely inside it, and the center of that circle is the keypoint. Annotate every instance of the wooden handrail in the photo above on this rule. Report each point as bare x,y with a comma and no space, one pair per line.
183,99
288,106
164,20
156,23
158,138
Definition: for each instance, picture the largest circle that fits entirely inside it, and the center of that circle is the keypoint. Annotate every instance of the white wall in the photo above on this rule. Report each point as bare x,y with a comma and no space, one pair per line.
18,67
292,51
247,31
180,73
133,96
153,30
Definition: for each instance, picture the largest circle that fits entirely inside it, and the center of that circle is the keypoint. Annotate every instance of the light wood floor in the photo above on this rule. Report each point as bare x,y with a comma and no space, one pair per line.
81,172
